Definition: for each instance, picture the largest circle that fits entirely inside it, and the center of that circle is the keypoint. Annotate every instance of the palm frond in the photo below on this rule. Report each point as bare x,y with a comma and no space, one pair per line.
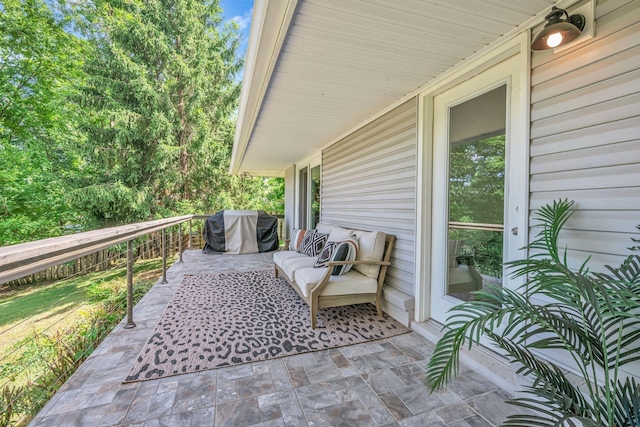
551,219
550,420
444,363
550,382
594,317
501,306
627,403
628,272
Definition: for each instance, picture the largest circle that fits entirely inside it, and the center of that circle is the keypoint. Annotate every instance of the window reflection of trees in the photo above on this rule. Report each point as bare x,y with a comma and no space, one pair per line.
315,196
476,195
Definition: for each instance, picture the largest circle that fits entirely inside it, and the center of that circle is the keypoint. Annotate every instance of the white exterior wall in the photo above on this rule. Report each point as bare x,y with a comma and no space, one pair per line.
585,135
369,183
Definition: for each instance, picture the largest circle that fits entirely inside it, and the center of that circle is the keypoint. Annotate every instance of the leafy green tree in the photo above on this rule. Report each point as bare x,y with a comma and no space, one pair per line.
40,68
161,95
476,194
32,197
134,119
476,185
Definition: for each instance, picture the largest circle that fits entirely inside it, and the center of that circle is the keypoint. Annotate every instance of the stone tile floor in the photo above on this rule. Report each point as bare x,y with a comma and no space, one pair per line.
378,383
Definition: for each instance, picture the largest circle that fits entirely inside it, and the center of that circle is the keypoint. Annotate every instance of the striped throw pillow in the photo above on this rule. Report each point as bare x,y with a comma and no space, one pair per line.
346,250
325,255
296,239
312,243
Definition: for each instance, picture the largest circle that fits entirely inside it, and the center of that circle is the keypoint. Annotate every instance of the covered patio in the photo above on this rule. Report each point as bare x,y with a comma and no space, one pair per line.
378,383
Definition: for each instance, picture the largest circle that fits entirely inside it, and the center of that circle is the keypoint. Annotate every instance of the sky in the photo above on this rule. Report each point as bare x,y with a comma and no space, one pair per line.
239,11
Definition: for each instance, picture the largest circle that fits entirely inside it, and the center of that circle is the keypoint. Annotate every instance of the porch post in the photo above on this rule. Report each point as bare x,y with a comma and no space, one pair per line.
130,324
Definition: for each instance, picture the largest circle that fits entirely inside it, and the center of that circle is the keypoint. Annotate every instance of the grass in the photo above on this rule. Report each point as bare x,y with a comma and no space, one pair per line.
52,306
48,330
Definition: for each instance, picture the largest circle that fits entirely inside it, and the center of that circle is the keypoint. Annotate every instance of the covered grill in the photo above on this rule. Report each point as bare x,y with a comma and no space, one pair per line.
240,232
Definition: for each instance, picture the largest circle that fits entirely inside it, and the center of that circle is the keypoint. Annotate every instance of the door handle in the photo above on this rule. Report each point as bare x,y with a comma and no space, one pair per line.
514,231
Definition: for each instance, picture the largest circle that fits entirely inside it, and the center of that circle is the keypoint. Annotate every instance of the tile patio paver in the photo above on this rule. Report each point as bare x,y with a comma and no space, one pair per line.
371,384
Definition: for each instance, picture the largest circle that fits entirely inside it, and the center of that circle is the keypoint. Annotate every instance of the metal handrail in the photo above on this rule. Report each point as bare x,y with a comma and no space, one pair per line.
26,258
20,260
17,261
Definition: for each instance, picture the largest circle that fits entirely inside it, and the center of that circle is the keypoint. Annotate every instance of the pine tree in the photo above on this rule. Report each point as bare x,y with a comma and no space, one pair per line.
160,100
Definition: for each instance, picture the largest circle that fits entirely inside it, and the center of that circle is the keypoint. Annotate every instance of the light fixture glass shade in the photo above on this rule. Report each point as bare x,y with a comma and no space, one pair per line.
567,30
558,31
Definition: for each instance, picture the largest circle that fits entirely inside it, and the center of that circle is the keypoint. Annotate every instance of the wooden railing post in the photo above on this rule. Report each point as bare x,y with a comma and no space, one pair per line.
190,234
130,324
164,255
180,241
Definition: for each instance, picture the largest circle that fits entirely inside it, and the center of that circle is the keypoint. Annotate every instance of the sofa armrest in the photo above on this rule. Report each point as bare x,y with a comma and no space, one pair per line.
319,287
334,263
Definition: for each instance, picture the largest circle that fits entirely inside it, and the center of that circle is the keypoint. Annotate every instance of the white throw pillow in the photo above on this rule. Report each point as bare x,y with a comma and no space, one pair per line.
340,234
370,248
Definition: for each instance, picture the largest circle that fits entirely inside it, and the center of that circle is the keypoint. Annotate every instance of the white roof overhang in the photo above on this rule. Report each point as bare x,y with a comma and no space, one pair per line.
317,68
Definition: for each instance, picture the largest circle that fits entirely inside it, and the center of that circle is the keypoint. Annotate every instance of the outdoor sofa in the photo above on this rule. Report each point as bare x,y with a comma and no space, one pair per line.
355,280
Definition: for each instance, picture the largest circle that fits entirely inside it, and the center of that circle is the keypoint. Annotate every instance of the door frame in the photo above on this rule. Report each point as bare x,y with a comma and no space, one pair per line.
517,210
493,78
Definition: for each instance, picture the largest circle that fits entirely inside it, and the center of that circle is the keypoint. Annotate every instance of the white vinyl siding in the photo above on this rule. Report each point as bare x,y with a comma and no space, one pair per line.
585,135
369,182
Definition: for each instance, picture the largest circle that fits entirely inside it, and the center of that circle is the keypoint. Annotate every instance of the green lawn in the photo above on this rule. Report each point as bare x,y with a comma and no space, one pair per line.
53,305
48,330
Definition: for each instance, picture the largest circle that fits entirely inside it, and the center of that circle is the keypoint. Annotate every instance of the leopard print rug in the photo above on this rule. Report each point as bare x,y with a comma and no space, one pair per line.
230,319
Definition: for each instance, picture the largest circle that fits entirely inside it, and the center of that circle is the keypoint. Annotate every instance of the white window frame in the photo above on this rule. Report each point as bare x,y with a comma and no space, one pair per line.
309,164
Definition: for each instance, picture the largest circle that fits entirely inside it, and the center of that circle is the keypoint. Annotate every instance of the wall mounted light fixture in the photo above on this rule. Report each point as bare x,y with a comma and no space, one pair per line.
559,31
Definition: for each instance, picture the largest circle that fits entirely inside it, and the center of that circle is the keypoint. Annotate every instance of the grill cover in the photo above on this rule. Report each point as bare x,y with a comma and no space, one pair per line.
266,233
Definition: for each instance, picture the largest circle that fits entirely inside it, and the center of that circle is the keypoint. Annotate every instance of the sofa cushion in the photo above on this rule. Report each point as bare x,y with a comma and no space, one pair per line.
371,248
312,243
296,239
325,255
351,283
339,234
291,265
324,228
280,256
346,250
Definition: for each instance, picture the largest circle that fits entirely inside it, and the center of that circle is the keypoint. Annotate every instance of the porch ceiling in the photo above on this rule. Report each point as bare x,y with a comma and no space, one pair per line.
340,62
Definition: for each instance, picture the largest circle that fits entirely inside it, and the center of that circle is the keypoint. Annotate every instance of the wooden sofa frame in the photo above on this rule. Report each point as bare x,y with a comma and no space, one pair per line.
317,301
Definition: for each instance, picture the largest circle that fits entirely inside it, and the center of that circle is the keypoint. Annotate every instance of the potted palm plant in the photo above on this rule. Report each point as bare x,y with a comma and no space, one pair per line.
593,318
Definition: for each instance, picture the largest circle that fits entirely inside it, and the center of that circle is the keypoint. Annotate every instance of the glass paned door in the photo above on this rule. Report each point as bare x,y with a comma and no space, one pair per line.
476,193
478,171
